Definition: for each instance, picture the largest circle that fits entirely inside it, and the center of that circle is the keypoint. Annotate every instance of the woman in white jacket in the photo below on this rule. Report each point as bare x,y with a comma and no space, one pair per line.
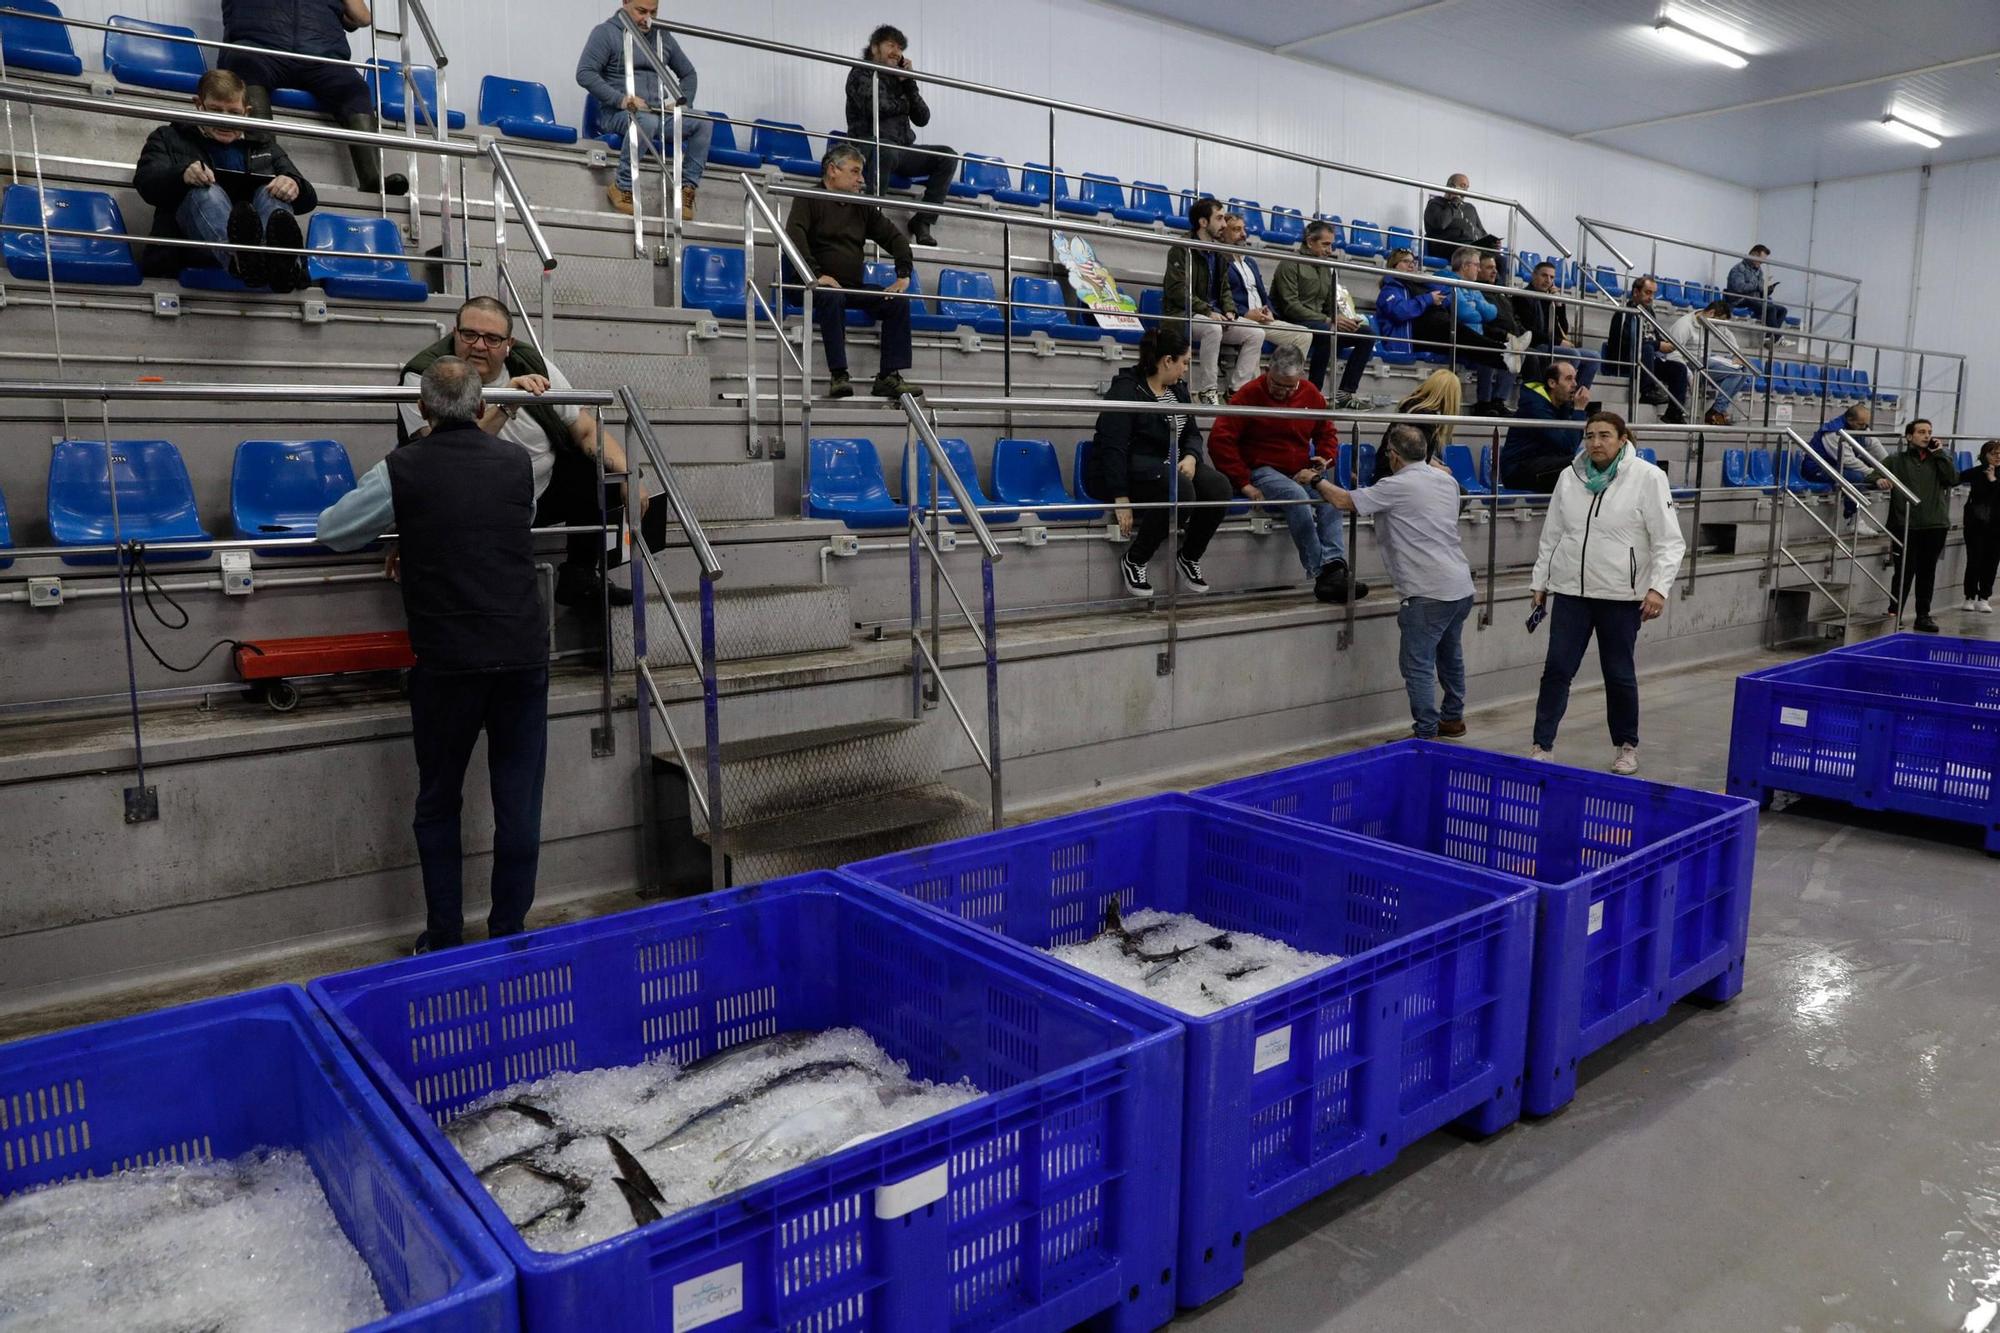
1611,546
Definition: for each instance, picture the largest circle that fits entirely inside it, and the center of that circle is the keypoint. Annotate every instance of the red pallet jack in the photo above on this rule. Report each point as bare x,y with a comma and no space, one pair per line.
271,665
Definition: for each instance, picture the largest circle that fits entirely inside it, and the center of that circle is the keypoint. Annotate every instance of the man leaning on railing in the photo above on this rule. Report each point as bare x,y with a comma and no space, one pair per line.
600,71
310,28
219,185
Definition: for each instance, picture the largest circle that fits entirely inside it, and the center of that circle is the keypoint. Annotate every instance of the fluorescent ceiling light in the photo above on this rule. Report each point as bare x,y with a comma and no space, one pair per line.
1702,37
1902,129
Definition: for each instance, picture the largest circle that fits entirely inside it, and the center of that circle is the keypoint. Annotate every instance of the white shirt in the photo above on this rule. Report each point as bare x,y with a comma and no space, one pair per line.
1688,331
1416,525
521,428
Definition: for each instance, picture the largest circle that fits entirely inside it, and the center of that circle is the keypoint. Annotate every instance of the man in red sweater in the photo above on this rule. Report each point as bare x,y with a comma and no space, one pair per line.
1281,458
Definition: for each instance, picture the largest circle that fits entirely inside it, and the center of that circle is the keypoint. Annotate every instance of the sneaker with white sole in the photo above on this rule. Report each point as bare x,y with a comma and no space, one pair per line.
1971,604
1136,582
1541,756
1191,578
1626,761
1983,606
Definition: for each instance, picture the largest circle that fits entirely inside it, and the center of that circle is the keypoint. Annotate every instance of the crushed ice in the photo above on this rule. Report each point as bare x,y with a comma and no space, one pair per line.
1182,961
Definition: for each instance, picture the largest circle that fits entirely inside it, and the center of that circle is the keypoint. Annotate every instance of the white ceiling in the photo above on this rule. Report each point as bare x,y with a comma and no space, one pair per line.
1593,69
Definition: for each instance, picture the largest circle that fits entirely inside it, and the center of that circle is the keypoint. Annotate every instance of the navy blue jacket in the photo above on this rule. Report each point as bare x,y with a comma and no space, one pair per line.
308,27
1245,298
1530,444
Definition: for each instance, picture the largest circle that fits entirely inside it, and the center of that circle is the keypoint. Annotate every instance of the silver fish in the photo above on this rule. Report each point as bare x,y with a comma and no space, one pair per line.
817,1069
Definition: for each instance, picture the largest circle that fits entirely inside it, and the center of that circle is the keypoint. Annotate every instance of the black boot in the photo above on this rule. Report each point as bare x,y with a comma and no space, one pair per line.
258,100
251,267
285,273
368,159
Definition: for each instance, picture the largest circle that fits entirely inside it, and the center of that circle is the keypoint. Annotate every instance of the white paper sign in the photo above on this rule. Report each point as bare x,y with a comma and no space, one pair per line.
906,1196
705,1299
1273,1049
1596,919
1791,717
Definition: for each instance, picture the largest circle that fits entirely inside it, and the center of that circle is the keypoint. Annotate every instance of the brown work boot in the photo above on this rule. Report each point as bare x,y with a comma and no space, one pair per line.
687,203
620,200
1715,418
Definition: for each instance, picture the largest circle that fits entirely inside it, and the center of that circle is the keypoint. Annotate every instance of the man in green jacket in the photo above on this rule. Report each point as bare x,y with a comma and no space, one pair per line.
1923,467
1197,284
1311,296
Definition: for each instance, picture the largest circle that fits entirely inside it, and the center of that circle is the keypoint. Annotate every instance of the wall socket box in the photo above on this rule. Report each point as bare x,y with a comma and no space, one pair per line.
237,580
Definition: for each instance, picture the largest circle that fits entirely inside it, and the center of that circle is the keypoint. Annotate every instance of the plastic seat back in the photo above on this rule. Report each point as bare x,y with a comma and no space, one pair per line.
1763,470
1152,199
384,279
783,143
280,486
522,109
712,279
1039,292
32,43
847,484
1152,306
74,258
1458,457
388,76
962,294
1027,473
1735,470
155,498
1104,193
137,54
722,149
959,454
1285,226
983,174
1253,215
1365,238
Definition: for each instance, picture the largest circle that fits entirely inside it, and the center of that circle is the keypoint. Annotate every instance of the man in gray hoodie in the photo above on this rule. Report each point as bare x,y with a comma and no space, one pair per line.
600,71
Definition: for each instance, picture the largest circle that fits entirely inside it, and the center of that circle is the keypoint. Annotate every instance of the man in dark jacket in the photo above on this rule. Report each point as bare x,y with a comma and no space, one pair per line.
899,104
462,505
308,28
1638,346
1929,472
600,71
1547,323
1195,291
1537,451
1450,221
830,236
221,185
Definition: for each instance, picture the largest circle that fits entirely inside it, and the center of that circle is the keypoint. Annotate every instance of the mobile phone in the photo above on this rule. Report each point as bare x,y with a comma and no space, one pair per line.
1537,616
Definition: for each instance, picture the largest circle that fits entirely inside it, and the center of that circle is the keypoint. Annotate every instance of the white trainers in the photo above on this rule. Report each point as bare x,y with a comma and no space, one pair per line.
1971,604
1541,756
1627,760
1983,606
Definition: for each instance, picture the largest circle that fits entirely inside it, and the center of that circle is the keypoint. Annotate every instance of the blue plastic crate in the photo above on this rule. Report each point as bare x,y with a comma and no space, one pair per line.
1421,1024
1644,889
1932,648
1044,1204
259,1070
1874,733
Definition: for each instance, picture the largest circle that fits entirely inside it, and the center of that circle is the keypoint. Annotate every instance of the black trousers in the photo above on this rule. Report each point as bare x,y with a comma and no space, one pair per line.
1433,331
448,713
1538,474
1359,345
935,172
570,499
338,89
1982,558
1920,568
1197,525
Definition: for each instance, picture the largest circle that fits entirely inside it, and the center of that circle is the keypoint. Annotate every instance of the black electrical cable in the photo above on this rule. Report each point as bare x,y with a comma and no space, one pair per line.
147,585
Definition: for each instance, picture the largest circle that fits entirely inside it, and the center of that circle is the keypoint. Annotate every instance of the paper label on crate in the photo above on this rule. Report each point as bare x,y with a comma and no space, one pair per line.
1596,919
906,1196
1273,1049
1791,717
705,1299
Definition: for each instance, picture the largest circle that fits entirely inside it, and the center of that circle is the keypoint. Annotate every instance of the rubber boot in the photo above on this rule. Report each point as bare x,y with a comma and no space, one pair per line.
258,101
368,176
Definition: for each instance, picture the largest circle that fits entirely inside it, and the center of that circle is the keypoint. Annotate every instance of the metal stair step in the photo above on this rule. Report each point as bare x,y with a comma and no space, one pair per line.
770,776
749,622
725,492
833,835
584,281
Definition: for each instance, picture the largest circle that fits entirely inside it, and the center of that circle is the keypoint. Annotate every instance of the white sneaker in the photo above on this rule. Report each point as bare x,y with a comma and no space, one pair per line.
1541,756
1627,760
1983,606
1971,604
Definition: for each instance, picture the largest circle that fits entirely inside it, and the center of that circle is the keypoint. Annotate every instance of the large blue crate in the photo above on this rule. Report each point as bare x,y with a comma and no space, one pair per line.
1877,732
1047,1203
1933,648
1291,1093
218,1079
1644,889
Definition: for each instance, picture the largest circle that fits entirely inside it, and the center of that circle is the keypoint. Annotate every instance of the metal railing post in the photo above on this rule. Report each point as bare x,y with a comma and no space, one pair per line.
634,133
711,730
913,500
996,796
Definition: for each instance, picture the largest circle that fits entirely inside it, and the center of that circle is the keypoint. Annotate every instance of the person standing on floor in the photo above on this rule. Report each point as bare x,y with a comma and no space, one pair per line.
461,502
1129,461
1611,546
1923,467
1982,527
1416,524
895,98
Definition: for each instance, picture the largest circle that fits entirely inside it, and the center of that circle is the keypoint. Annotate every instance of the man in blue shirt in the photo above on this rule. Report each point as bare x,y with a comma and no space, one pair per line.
600,71
289,28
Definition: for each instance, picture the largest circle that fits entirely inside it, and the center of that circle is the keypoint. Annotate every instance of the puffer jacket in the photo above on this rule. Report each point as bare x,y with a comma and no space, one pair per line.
1398,303
1618,544
1474,310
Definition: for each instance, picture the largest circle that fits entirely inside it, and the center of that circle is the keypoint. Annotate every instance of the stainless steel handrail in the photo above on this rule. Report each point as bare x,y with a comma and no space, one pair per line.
281,393
1096,113
670,485
189,115
504,172
1724,252
423,17
209,43
182,243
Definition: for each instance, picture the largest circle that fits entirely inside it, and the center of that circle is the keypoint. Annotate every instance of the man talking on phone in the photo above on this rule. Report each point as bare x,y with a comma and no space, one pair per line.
1929,475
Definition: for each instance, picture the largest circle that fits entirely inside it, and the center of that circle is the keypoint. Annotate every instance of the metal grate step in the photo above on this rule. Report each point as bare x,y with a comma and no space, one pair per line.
833,835
749,622
772,776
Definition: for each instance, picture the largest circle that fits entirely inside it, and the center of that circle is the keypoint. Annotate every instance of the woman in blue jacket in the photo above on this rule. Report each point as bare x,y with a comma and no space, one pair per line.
1451,318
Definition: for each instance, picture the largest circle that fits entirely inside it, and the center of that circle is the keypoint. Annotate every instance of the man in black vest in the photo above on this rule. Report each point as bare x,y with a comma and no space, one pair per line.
462,505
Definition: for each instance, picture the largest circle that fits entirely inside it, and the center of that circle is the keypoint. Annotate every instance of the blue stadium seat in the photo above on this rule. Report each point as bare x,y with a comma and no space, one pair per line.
1762,471
521,109
1403,238
6,535
1364,456
1735,468
1651,456
1285,226
155,498
1795,476
722,149
279,487
76,258
1079,469
959,454
1153,203
961,297
1253,215
1339,228
1366,240
1965,460
1055,323
783,144
1152,307
593,128
293,99
136,55
385,279
1607,281
1458,457
1489,479
1809,379
847,484
28,43
1027,473
1096,193
712,280
1862,389
1762,383
390,80
1034,191
980,174
881,273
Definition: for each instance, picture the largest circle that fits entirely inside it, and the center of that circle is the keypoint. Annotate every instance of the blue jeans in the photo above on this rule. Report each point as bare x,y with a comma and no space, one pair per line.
204,212
1729,380
1493,384
1430,649
1572,620
695,135
1315,528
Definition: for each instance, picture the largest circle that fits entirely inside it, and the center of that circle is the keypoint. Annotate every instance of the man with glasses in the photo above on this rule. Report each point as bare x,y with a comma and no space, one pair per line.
562,441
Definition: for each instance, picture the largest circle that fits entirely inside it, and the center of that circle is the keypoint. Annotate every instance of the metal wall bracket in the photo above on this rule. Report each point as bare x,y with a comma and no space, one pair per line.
1163,665
603,742
142,805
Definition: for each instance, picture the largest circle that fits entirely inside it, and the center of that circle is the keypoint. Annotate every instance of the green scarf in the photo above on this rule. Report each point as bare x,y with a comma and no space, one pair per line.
523,360
1595,479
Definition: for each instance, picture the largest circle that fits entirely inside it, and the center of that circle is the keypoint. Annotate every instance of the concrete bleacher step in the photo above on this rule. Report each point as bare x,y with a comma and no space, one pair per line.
749,622
833,835
730,492
1830,626
769,777
587,281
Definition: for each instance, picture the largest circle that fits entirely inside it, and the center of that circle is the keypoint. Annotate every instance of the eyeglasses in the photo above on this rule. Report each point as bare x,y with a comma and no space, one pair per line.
483,339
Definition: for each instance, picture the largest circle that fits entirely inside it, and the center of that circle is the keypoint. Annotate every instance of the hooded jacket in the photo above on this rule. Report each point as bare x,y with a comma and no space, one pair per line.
1618,544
